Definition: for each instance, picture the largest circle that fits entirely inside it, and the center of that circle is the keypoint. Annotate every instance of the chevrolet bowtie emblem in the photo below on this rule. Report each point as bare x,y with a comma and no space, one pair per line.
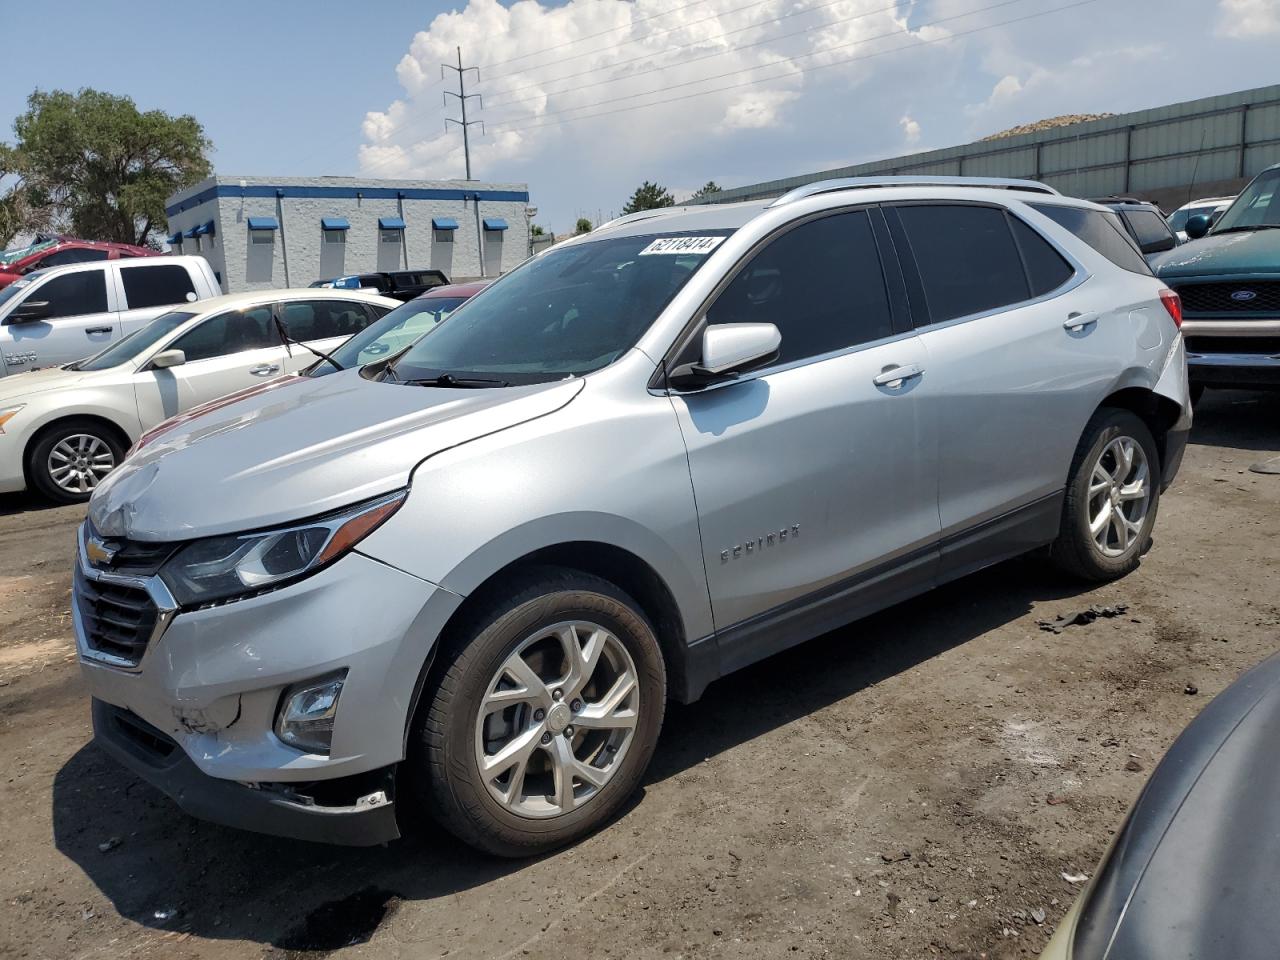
99,552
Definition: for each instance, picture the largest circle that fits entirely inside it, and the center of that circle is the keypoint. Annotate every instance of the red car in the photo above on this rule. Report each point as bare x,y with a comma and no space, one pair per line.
56,251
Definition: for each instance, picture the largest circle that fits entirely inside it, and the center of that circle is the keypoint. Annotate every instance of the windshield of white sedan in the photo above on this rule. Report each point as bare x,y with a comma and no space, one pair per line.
122,351
566,313
392,333
1258,208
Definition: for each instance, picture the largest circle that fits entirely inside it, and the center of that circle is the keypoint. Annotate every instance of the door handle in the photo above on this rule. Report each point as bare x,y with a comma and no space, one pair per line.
893,377
1076,322
98,329
265,369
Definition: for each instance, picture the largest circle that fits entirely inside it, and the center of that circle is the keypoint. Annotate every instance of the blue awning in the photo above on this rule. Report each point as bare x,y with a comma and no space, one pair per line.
444,223
175,238
495,223
263,223
192,232
205,229
334,223
390,223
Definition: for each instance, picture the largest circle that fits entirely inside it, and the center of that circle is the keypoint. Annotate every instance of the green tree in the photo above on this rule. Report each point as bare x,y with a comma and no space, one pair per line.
536,231
583,226
706,190
649,196
94,162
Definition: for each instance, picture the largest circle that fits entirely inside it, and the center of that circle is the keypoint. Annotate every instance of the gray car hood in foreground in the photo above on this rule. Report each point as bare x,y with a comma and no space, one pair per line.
1193,874
304,448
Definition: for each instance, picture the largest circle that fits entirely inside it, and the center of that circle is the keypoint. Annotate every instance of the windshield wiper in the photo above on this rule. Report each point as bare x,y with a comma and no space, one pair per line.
286,339
1249,228
449,380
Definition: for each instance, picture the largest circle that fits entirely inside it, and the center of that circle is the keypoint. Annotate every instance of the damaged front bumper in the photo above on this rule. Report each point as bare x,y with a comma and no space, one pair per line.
352,811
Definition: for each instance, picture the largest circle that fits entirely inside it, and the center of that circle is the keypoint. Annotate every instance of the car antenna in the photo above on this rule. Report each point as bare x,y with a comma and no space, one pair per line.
285,338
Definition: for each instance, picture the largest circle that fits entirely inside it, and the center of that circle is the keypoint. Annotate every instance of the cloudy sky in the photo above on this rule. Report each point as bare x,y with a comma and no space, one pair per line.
584,100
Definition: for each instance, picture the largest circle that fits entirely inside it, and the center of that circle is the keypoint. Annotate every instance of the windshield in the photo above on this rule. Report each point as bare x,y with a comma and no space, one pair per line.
1258,207
122,351
568,312
18,286
1178,220
391,334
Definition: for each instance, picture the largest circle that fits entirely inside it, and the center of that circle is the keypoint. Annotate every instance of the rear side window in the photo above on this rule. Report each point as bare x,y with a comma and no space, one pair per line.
821,283
1046,269
156,286
322,319
1148,227
966,258
74,294
1100,230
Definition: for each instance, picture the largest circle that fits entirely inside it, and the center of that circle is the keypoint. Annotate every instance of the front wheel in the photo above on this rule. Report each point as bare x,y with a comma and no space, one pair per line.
544,717
70,459
1111,498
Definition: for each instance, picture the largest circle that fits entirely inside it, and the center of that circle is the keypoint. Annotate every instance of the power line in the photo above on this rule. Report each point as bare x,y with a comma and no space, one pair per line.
763,66
602,33
623,43
812,69
694,43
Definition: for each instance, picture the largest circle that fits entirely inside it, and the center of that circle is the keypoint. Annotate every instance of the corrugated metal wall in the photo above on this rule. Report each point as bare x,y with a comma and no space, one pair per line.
1215,140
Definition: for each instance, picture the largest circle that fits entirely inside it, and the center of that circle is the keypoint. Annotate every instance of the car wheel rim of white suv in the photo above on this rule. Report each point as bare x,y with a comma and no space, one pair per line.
1119,495
556,719
76,463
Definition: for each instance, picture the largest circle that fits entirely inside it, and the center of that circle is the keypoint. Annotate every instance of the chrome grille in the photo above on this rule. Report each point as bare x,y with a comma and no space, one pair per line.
118,619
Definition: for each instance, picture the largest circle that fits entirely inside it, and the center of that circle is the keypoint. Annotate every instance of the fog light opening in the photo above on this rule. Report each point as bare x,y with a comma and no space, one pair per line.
307,711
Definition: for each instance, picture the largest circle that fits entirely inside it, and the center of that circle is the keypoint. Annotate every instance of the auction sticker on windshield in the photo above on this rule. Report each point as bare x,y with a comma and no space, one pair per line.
698,246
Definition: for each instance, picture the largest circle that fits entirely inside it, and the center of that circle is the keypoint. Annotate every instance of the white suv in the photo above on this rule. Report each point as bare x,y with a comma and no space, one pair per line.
54,316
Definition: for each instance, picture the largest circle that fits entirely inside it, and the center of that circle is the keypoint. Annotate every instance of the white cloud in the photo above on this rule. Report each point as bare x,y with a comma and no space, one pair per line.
910,129
1248,19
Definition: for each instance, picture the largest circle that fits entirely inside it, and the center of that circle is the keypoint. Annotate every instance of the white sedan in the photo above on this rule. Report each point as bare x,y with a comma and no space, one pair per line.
63,429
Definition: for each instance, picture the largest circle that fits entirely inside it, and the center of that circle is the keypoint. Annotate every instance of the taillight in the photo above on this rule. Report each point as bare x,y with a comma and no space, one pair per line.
1173,303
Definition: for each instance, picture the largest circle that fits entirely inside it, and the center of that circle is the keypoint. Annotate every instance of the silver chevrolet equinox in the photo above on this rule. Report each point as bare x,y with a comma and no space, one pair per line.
465,580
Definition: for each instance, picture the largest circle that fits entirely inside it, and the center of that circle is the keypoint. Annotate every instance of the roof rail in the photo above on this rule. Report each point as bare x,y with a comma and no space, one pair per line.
866,183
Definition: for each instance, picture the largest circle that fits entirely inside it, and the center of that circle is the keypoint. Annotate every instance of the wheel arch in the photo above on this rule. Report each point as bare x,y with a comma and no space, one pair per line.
1158,412
117,431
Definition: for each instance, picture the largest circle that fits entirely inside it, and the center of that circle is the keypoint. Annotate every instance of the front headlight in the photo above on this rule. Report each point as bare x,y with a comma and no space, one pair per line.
8,414
220,567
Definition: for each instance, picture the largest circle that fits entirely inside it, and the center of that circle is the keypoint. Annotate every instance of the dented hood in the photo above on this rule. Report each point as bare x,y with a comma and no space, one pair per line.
302,448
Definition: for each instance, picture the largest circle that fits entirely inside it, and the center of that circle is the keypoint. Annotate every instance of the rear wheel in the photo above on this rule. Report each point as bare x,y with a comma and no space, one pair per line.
68,461
1111,499
544,717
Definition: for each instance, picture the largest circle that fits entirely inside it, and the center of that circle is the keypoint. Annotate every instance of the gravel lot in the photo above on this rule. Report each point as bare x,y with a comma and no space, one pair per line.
913,786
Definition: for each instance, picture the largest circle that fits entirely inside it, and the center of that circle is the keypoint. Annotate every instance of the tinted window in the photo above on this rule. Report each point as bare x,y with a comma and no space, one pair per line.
156,286
1102,231
232,332
820,283
1046,268
73,294
322,319
61,258
569,311
135,343
1258,205
1148,227
966,258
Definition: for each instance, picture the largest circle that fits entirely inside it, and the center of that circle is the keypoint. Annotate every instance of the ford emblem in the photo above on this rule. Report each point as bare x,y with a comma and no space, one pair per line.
1244,296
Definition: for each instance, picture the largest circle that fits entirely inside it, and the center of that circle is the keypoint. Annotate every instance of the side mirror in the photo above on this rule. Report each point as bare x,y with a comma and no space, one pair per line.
729,349
168,358
29,312
1159,246
1197,226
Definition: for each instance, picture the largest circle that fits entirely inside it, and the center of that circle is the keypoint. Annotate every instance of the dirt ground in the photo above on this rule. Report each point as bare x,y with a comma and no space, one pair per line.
913,786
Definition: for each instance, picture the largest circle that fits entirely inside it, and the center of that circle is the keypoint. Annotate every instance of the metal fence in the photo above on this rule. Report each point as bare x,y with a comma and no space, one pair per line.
1214,142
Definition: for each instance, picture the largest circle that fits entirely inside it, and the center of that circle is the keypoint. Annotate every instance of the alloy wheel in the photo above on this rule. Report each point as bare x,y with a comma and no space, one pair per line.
1119,496
77,463
557,719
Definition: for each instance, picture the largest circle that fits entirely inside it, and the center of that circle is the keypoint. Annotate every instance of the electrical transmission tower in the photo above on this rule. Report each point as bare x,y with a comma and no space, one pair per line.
463,97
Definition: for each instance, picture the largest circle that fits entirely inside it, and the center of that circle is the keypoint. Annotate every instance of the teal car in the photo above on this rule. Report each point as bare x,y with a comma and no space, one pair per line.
1228,277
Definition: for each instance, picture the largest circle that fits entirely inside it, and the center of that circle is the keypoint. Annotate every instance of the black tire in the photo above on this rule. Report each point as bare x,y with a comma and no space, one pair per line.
38,455
443,772
1075,550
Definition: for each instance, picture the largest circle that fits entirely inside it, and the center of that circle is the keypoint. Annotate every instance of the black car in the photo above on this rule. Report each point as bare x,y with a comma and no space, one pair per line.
1144,223
400,284
1194,873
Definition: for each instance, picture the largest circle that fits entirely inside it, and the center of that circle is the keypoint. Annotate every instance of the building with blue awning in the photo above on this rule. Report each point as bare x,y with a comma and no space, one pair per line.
261,232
